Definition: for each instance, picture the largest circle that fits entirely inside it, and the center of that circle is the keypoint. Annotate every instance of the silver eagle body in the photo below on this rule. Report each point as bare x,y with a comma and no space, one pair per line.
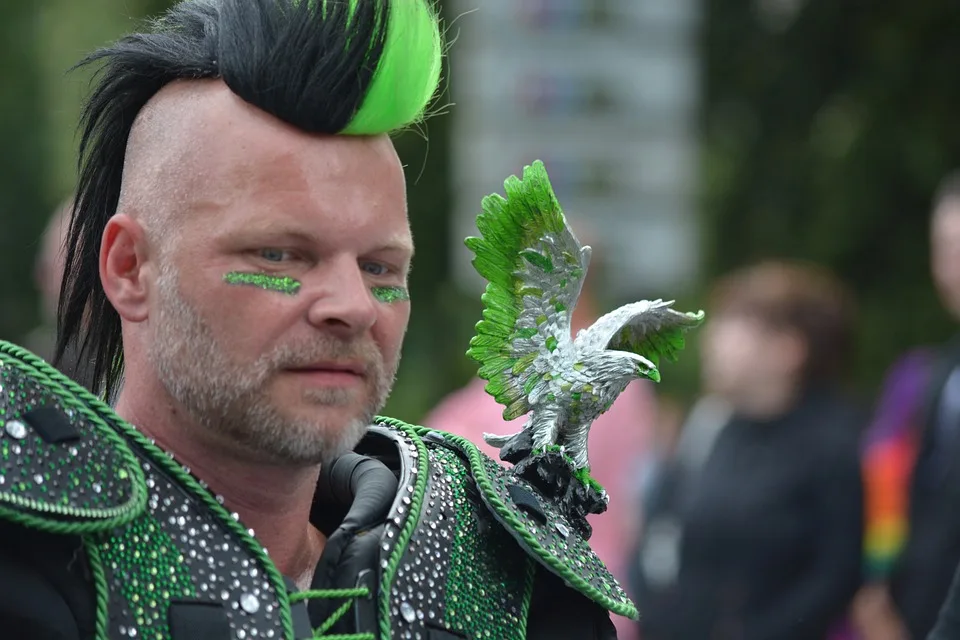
535,269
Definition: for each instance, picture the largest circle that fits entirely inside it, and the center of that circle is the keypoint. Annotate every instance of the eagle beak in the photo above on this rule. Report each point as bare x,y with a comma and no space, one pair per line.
654,374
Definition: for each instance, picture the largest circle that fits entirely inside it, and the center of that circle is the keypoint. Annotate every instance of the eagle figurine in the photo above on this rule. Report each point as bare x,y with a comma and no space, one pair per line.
535,268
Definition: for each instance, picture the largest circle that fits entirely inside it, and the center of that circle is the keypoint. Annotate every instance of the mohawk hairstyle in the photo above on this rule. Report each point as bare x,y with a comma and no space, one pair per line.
352,67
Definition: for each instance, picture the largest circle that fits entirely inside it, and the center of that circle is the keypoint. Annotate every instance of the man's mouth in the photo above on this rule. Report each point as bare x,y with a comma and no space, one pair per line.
331,373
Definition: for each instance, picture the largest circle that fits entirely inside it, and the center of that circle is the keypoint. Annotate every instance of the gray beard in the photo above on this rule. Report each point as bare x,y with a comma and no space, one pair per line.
230,400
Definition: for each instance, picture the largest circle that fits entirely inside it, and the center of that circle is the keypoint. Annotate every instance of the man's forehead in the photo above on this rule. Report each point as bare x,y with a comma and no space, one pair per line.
199,141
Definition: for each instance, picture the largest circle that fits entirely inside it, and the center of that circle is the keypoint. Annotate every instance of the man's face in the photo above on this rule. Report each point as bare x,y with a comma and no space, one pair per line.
945,253
286,377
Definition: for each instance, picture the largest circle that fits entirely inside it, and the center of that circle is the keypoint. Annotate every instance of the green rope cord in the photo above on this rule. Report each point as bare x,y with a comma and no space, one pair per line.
320,594
160,459
416,502
100,586
105,519
332,620
527,597
573,578
329,594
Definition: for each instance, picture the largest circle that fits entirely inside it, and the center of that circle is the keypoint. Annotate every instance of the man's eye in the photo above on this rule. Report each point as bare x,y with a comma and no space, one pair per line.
274,255
374,268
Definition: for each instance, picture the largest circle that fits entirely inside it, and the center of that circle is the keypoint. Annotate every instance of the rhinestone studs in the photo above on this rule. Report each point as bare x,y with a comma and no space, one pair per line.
249,603
16,429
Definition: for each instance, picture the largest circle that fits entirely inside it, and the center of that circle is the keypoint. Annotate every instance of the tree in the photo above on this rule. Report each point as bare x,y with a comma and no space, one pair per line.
826,128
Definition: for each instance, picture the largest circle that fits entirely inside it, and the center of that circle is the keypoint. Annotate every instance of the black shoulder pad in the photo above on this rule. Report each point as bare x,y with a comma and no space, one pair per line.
63,469
539,526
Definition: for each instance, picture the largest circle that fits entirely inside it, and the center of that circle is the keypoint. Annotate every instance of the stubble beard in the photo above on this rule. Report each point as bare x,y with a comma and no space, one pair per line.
231,400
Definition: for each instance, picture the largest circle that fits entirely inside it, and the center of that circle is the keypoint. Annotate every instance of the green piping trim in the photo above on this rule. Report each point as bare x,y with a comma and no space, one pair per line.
104,519
403,539
100,587
159,458
574,579
527,597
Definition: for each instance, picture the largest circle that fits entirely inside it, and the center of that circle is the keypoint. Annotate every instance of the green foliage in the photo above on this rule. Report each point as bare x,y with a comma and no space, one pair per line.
825,134
24,202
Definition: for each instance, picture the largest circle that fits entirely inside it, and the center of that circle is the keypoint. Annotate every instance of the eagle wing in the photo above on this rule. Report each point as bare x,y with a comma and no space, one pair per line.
534,267
650,328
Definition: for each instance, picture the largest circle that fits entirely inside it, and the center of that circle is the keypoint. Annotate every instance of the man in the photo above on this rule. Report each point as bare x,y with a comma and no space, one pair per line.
922,577
237,265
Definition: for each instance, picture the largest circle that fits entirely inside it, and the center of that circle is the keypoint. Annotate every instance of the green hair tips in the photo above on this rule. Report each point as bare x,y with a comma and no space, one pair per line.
408,72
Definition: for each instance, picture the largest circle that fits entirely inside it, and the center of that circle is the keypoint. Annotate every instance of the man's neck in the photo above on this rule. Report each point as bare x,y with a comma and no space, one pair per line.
273,500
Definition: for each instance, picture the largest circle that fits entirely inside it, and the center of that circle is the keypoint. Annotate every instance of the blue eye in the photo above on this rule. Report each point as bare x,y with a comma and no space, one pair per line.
374,268
273,255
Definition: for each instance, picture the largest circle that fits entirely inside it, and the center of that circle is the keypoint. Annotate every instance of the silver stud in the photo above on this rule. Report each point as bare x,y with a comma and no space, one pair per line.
406,610
562,528
97,488
16,429
250,603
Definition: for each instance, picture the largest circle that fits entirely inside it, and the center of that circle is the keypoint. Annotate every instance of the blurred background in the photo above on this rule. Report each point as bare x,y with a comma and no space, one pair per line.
686,139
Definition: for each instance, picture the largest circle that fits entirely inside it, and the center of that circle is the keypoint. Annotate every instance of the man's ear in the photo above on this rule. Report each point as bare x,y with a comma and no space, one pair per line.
123,256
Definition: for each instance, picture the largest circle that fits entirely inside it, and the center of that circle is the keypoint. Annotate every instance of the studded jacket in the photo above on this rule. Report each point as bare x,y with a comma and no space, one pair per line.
106,536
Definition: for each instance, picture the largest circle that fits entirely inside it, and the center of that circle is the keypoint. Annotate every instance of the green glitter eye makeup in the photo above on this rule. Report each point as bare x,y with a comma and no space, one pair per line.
280,284
391,294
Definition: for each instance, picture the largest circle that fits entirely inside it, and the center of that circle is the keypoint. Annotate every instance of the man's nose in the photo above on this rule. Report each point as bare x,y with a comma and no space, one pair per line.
343,302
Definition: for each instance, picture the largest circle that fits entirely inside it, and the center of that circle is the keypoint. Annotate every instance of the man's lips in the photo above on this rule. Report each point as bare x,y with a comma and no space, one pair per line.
331,373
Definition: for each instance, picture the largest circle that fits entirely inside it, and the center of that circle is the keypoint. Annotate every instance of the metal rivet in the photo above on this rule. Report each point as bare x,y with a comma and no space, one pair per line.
250,603
406,610
16,429
562,528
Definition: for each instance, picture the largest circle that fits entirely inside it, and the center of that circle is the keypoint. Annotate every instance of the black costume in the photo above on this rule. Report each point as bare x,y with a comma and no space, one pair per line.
106,536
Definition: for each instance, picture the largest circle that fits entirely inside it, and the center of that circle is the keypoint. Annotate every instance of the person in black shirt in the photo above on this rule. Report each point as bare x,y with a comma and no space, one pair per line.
766,507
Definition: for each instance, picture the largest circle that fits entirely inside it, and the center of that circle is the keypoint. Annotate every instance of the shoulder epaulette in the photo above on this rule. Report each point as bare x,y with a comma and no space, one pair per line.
63,469
539,527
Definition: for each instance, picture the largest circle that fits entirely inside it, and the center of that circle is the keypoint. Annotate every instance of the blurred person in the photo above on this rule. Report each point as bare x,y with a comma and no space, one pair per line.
47,275
237,269
919,585
889,453
759,536
618,441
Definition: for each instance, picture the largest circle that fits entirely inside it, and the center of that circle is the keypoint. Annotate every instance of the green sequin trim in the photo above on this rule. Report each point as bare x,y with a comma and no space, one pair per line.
280,284
47,516
143,554
573,577
483,567
391,294
82,400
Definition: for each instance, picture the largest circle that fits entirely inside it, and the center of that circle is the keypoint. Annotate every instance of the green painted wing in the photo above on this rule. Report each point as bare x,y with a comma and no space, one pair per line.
652,329
534,267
